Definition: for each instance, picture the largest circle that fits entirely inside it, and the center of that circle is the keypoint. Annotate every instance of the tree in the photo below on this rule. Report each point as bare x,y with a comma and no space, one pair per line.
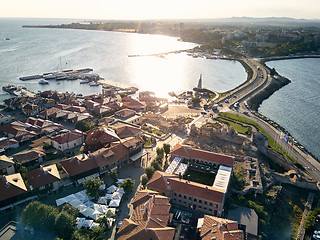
84,125
92,186
149,171
39,215
127,184
160,152
311,219
155,165
166,147
64,225
113,174
144,180
104,220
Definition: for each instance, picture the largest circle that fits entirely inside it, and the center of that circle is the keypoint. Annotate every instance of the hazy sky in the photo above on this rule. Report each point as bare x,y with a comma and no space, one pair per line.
161,9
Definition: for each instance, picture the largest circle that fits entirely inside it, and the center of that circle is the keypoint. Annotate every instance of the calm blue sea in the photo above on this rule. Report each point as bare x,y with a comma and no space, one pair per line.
36,51
296,106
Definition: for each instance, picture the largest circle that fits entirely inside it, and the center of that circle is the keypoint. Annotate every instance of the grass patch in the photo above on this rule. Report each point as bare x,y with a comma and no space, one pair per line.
199,177
236,126
272,143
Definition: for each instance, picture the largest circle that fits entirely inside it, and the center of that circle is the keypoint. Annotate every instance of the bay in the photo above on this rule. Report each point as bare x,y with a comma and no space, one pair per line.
38,50
296,106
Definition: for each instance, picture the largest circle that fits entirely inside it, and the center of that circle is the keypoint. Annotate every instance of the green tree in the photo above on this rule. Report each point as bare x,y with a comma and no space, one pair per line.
92,186
39,215
155,165
311,219
144,180
47,145
22,170
160,152
113,174
64,225
84,125
149,171
127,184
70,210
166,147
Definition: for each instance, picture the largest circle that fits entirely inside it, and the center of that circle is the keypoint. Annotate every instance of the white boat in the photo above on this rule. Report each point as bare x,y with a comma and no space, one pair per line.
84,81
42,81
92,84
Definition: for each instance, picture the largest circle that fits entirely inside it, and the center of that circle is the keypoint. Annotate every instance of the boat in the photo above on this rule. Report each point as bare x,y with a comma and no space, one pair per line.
42,81
93,84
84,81
7,38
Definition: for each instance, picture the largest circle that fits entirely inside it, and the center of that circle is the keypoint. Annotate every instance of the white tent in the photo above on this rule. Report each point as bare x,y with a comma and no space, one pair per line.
100,208
112,189
114,203
103,200
120,190
87,212
88,223
117,196
108,196
69,198
102,187
60,201
82,208
75,203
82,196
80,222
95,215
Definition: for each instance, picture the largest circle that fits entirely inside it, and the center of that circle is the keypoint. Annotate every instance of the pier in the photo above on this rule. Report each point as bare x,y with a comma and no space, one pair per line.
68,74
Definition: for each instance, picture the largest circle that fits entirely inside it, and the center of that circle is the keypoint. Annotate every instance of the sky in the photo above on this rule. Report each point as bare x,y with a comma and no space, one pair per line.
160,9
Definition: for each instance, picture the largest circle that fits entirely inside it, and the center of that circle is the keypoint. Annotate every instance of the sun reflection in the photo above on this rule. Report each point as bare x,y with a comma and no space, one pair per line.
157,75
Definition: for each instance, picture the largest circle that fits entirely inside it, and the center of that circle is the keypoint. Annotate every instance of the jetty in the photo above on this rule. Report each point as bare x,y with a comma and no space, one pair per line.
68,74
18,91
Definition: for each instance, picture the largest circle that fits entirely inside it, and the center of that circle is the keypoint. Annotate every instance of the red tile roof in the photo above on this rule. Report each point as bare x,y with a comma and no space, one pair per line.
101,135
78,164
149,218
28,155
219,228
11,186
107,156
43,176
192,153
68,137
127,131
164,182
125,113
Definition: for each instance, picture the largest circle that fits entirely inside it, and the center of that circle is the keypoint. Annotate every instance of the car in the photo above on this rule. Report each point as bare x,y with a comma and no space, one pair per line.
226,101
203,112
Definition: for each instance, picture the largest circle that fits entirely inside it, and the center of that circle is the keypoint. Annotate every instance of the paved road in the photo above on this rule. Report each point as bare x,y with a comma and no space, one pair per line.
259,81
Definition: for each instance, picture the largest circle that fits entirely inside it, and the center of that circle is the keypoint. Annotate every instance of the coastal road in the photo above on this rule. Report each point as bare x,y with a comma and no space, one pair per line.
258,82
306,160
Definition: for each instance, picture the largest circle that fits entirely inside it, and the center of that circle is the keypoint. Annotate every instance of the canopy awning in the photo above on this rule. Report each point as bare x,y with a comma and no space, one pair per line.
138,155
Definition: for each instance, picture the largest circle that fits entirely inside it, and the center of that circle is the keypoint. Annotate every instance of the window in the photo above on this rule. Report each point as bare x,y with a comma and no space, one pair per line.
205,202
190,198
174,199
210,204
210,209
200,201
195,199
179,195
216,205
184,202
175,194
179,200
199,206
184,197
205,208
